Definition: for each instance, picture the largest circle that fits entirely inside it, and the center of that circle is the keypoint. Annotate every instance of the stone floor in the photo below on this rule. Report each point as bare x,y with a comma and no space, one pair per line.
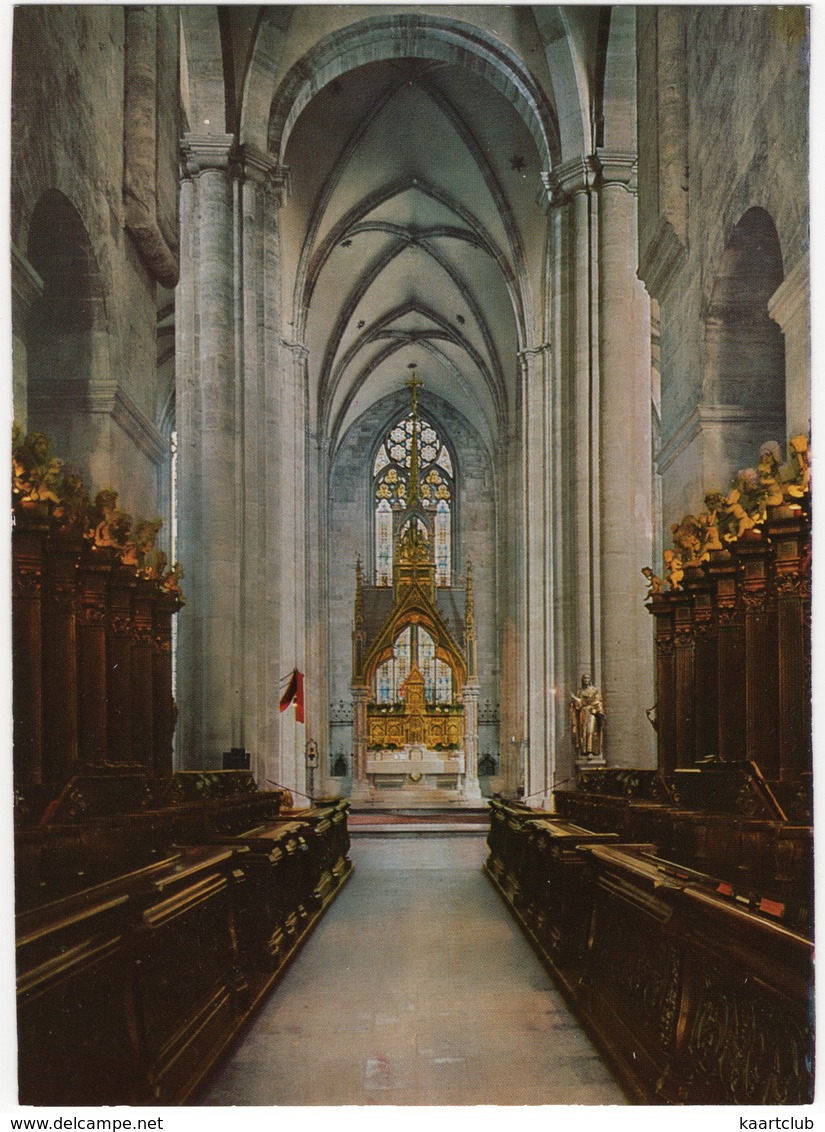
416,989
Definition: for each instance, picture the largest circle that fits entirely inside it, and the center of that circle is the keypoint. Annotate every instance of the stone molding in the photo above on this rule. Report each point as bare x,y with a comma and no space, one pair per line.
26,284
532,355
535,351
561,183
692,427
298,350
144,142
250,162
661,259
618,168
206,152
792,293
108,398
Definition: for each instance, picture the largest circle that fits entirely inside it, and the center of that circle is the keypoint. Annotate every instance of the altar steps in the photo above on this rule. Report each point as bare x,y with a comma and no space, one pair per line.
384,820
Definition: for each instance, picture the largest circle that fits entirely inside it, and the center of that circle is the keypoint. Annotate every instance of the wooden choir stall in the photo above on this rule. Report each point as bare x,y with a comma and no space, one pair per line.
673,906
155,908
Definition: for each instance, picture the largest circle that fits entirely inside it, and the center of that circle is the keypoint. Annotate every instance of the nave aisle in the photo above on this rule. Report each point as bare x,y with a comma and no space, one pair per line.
417,988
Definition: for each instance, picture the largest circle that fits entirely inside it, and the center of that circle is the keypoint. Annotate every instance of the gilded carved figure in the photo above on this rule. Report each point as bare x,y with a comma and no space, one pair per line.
654,582
587,719
35,470
768,474
674,569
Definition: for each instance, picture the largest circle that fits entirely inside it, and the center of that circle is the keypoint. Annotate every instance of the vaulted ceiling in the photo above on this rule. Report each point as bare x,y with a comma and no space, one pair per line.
416,143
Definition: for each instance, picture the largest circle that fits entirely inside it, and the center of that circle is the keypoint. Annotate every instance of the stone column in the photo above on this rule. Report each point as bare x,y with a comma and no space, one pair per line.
259,191
317,602
208,471
625,489
470,701
274,360
291,516
574,332
510,550
790,308
540,471
360,697
187,418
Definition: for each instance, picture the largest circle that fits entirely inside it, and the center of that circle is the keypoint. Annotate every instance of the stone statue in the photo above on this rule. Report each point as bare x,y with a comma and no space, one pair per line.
587,719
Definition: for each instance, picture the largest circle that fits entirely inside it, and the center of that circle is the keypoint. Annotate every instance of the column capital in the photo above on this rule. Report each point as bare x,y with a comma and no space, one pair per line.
618,168
577,175
202,152
255,165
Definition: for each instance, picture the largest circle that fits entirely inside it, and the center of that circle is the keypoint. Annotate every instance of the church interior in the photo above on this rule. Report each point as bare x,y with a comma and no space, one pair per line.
411,477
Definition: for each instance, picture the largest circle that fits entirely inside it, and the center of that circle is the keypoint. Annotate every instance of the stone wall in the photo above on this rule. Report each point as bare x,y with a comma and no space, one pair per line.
90,383
723,130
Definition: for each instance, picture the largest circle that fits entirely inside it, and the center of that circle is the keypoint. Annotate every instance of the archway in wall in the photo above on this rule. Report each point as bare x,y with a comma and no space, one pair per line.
65,337
744,381
412,237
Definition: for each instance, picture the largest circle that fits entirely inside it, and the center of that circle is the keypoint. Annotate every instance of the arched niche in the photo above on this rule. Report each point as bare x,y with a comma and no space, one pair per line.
744,378
66,332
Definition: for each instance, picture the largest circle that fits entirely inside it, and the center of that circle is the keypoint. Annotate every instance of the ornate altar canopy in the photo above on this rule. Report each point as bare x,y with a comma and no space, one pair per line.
415,688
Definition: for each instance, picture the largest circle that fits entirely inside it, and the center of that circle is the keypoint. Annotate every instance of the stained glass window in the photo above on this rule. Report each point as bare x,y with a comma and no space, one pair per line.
426,662
442,543
381,461
383,543
390,474
402,651
443,683
390,676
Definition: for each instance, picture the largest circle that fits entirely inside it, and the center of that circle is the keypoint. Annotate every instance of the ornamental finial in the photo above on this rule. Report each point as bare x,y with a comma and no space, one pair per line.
413,497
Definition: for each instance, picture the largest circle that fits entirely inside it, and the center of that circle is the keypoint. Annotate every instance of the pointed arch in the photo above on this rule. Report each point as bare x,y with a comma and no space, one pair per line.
420,36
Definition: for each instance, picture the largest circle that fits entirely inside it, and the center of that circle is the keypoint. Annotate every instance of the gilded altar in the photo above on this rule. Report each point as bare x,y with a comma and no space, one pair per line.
414,723
414,662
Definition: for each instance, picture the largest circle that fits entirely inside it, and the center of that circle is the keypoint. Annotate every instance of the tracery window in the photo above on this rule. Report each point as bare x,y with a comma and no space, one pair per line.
390,476
414,644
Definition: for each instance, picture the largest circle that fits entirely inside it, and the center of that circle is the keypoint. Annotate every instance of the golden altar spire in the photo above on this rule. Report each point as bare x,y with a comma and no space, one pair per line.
413,498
